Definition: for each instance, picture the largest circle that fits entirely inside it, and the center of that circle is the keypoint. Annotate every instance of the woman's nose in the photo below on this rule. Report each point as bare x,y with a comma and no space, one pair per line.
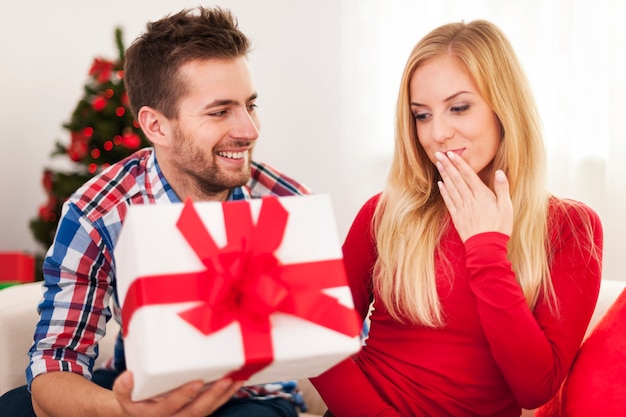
441,129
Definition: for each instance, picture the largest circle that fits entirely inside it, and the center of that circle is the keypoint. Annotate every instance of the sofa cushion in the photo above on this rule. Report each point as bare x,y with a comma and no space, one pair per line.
596,384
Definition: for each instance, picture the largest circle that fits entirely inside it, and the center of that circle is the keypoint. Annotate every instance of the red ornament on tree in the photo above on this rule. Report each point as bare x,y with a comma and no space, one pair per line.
78,146
99,103
131,140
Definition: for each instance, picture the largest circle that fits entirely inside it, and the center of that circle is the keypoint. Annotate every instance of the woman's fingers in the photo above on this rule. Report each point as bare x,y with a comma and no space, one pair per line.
459,172
459,180
449,173
473,206
505,205
449,186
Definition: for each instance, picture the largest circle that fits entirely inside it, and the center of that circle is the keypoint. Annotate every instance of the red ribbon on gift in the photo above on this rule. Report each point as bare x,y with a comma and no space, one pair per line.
245,282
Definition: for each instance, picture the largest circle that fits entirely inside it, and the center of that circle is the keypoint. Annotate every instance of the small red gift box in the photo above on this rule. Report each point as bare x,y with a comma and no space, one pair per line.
255,290
16,267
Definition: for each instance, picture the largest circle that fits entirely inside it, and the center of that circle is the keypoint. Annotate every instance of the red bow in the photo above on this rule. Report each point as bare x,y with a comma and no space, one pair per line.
245,282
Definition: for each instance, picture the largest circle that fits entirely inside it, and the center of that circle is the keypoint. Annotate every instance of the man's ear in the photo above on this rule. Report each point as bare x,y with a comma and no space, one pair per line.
155,126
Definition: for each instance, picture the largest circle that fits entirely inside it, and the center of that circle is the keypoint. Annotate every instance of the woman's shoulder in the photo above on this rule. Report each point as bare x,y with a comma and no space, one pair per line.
373,200
569,215
365,215
369,207
574,209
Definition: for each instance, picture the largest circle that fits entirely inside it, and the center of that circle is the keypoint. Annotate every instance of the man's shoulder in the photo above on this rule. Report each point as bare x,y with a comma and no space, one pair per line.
267,180
119,184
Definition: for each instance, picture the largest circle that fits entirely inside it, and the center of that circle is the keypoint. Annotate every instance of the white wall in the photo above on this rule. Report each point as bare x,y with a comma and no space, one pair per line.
326,106
47,49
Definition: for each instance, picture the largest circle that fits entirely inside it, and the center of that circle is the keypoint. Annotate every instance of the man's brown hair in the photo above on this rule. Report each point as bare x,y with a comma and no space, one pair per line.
154,58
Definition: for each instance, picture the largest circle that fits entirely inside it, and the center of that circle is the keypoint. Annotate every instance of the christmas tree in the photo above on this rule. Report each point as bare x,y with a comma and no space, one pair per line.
102,131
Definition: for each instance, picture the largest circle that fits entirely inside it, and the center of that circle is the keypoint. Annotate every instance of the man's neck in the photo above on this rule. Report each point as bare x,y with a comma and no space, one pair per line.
186,188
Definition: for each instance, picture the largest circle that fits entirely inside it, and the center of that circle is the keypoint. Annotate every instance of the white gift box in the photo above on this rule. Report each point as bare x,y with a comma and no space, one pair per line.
164,350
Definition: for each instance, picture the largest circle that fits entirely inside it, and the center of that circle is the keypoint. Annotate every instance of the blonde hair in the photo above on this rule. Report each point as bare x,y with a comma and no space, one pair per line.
411,216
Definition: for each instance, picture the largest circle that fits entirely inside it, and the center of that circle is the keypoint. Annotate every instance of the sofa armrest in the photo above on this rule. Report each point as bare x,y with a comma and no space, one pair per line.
18,318
312,398
609,291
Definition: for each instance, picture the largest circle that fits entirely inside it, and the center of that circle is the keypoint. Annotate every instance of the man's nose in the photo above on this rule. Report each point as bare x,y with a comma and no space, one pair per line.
245,126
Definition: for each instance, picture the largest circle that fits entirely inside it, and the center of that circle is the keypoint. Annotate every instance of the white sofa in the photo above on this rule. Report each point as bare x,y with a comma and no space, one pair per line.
18,317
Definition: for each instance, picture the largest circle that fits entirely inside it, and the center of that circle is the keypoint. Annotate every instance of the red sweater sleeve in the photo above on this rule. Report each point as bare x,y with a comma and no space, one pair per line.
535,349
359,398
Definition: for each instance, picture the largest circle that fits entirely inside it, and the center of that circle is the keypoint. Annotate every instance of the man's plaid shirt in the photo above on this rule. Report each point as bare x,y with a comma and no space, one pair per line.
79,269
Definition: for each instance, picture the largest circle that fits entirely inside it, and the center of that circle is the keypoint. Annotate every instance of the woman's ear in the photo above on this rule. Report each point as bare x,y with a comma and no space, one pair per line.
155,126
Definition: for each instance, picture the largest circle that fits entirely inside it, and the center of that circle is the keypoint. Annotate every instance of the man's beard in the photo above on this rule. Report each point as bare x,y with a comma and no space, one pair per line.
191,162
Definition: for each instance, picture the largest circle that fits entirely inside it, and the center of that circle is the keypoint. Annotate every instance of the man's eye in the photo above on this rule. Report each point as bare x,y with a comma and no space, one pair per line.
252,107
218,113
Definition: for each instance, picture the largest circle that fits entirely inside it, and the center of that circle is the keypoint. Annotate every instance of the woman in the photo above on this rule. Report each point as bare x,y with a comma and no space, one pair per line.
482,282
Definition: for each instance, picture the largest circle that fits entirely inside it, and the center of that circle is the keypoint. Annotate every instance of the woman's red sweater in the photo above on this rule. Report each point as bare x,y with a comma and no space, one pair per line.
494,355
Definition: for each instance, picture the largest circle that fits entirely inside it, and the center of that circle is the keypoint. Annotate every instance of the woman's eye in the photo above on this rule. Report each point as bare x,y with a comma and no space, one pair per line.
459,109
420,116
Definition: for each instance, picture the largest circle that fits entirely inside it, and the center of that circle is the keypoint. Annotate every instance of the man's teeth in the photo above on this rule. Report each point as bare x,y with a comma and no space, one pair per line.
233,155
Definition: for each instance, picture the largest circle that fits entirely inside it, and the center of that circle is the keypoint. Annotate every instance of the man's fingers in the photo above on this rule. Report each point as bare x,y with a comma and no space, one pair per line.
123,386
167,404
179,398
215,395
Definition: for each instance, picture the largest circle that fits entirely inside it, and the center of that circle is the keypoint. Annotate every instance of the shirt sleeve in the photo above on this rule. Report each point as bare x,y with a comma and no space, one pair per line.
535,349
360,398
74,309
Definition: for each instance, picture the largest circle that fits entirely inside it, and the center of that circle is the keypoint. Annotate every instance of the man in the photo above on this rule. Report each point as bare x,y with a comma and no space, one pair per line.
190,89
